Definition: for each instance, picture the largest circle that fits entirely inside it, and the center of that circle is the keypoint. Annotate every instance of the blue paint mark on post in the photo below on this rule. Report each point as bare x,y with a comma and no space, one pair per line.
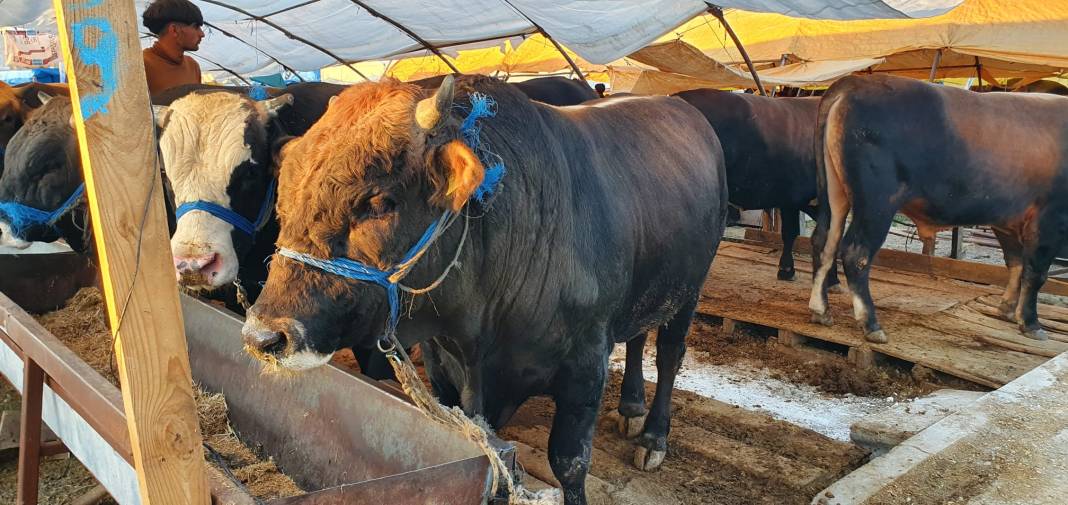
88,5
104,55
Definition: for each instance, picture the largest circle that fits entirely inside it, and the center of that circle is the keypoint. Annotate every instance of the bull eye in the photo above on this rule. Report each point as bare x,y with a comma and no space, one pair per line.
380,205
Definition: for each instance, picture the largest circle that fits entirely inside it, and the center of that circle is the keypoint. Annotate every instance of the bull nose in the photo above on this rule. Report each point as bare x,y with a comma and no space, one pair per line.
265,341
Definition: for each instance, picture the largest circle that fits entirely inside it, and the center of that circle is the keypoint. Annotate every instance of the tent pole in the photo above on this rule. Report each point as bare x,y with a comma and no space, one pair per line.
409,33
574,67
289,34
235,37
717,11
979,74
934,65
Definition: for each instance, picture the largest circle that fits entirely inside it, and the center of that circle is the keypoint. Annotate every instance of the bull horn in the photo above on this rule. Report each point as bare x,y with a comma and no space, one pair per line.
43,97
431,112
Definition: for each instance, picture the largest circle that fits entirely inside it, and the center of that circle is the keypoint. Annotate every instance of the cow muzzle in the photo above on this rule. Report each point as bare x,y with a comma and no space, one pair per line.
8,239
280,342
198,271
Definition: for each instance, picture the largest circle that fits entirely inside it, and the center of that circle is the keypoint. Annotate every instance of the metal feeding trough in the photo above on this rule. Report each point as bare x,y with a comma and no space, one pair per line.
342,437
331,430
43,276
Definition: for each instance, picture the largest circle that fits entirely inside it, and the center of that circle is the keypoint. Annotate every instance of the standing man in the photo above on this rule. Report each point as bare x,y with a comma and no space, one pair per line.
176,24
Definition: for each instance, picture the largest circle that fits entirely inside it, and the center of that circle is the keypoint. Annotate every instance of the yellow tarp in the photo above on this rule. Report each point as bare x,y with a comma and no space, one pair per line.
1011,39
534,55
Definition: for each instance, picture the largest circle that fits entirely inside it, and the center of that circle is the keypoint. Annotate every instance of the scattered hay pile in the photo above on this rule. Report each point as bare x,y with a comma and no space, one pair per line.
81,325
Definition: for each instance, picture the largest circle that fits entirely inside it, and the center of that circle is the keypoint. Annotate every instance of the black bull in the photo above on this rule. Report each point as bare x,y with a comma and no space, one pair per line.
769,151
594,238
944,157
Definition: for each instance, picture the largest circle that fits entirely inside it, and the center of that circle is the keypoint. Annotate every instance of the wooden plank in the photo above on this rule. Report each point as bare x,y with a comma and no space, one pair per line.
30,434
745,289
995,275
1057,330
728,326
1051,313
113,121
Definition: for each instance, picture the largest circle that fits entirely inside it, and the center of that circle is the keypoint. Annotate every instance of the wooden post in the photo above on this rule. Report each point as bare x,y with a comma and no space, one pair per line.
728,326
717,11
113,121
30,434
934,65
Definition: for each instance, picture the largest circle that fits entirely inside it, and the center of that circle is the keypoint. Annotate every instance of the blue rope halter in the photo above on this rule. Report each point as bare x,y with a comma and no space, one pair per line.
21,217
229,216
482,106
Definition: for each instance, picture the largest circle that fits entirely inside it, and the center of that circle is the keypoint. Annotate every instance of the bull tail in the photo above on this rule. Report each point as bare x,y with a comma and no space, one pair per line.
833,193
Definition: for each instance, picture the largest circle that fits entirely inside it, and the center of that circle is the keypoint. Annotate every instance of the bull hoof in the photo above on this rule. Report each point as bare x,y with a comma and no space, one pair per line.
824,319
877,337
1007,310
631,427
648,460
787,275
1038,334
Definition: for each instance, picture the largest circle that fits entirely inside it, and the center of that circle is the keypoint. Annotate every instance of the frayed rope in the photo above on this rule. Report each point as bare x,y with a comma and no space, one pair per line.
482,106
21,217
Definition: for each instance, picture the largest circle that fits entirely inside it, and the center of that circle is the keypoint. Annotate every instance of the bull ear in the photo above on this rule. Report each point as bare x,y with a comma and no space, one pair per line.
278,151
162,114
431,112
273,105
463,173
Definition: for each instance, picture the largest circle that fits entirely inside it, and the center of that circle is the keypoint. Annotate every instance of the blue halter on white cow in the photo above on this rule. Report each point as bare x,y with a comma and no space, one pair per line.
482,106
233,218
20,217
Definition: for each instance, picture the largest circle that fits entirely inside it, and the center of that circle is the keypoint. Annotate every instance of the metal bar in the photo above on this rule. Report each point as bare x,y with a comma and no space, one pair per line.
291,7
30,434
261,51
575,67
717,11
53,448
956,245
289,34
934,65
409,33
917,69
224,69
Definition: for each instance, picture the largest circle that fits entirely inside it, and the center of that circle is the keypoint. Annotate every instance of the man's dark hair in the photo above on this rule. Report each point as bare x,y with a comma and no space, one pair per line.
163,12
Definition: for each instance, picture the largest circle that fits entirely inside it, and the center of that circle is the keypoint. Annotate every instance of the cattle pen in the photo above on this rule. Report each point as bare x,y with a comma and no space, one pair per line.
770,408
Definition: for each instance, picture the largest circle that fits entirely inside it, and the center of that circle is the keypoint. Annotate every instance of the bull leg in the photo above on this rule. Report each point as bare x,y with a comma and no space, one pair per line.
791,228
864,238
1036,262
443,388
670,348
578,392
832,273
1012,249
830,222
632,397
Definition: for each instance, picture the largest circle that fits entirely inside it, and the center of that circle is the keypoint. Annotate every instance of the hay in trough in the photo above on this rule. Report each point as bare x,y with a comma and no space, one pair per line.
82,326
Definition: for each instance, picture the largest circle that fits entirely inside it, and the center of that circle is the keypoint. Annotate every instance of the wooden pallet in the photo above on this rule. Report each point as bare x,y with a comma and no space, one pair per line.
940,323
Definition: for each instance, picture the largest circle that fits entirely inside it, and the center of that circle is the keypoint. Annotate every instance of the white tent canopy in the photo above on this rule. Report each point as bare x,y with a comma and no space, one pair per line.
310,34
